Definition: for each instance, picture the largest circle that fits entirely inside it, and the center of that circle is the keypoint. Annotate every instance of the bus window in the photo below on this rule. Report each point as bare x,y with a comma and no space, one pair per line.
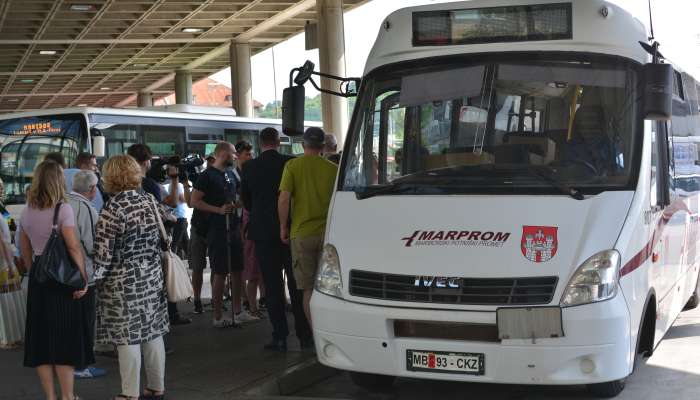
234,136
119,137
25,142
165,141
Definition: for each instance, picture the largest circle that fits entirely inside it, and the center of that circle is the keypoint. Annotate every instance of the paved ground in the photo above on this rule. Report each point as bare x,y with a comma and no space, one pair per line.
218,365
673,373
206,364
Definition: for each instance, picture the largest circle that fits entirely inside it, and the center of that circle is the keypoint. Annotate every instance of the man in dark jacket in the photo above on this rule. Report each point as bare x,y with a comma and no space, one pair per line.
259,191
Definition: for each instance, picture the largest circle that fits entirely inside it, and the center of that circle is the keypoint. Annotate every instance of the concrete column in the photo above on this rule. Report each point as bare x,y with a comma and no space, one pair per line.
144,99
241,79
331,52
183,87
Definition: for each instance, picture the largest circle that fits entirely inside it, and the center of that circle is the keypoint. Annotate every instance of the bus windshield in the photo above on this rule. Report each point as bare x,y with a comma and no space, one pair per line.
516,124
25,141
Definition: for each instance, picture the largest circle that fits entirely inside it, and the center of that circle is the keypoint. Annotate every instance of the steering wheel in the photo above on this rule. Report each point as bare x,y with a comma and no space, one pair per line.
586,164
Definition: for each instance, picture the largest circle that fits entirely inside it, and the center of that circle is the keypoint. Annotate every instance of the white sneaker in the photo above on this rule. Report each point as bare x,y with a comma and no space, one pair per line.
245,316
222,323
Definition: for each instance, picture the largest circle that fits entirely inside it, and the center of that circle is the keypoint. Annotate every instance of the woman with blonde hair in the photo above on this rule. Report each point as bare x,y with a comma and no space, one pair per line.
131,302
56,336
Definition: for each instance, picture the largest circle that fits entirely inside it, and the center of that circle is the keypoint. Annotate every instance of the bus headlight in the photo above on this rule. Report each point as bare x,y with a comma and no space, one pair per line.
328,278
595,280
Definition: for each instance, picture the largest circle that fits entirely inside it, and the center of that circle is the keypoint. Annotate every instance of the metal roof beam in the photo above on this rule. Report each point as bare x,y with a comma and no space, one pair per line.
266,25
182,40
115,72
101,93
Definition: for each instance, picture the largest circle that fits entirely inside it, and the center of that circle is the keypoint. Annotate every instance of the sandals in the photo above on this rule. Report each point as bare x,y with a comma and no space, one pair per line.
152,395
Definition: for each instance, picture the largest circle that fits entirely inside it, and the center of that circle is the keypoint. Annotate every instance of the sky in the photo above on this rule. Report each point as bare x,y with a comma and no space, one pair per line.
675,25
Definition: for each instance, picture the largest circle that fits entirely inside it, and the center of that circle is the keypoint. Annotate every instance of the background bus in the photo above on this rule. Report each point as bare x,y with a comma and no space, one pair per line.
25,138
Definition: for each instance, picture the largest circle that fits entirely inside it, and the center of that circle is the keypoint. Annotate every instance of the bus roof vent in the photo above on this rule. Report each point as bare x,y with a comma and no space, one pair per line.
186,108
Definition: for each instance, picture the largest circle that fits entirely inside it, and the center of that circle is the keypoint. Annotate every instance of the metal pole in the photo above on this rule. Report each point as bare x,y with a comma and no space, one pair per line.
229,241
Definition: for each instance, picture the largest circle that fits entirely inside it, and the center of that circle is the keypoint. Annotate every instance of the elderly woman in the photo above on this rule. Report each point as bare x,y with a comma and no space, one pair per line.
131,301
56,337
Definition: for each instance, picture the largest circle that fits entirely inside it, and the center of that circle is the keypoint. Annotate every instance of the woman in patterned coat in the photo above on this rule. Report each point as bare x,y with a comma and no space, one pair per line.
131,302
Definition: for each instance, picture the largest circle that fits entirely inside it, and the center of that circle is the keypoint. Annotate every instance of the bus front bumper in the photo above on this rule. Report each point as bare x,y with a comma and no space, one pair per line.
358,337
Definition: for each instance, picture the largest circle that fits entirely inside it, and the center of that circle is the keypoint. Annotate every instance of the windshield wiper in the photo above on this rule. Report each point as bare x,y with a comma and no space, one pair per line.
395,188
494,169
555,183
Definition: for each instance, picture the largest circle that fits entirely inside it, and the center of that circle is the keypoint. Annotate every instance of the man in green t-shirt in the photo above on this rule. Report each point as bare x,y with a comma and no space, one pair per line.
307,182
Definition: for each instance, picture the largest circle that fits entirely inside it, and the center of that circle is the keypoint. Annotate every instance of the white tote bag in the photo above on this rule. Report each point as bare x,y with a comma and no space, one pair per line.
177,280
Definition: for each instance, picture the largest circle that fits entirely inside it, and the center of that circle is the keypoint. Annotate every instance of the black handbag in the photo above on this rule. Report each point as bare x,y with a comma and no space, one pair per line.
55,265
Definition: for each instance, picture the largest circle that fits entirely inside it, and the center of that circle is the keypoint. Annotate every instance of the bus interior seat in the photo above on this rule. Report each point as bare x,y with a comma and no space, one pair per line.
589,123
517,154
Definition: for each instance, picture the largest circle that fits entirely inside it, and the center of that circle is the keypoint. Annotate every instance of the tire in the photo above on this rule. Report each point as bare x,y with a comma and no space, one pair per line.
694,299
607,390
372,382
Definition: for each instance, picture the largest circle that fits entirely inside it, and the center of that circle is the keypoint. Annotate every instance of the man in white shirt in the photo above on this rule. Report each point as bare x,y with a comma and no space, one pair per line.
85,162
84,191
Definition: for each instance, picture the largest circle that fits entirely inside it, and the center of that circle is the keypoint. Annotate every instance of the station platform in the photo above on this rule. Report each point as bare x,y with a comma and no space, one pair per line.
206,363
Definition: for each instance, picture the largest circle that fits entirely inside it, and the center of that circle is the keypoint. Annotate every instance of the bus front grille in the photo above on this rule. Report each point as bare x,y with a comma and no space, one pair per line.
473,291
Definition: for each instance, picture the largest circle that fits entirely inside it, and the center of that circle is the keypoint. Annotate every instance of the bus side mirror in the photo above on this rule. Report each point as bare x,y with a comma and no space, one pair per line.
293,99
658,92
98,143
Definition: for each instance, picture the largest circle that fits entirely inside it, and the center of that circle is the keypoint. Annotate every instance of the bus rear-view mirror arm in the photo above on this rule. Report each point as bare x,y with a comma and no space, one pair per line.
294,96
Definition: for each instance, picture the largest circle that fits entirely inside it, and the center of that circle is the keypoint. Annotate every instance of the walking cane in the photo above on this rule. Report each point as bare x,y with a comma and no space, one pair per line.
229,242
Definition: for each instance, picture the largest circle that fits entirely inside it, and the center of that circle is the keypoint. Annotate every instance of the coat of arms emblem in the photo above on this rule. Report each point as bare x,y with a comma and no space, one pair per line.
539,243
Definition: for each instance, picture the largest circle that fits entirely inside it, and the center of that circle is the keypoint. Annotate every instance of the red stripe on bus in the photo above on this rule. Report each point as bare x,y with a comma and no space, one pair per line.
643,255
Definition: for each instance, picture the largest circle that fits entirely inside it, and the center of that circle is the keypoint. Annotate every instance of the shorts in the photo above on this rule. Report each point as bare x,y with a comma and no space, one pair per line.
251,269
218,251
197,255
306,253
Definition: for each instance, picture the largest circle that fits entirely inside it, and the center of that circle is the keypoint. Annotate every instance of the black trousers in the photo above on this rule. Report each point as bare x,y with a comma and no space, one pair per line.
274,258
179,235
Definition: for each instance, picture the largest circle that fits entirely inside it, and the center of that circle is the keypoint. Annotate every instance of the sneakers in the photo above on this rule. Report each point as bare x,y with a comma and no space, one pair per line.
89,372
198,309
222,323
245,316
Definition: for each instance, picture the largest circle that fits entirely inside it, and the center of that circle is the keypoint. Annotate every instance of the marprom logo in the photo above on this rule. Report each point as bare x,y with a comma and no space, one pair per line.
456,238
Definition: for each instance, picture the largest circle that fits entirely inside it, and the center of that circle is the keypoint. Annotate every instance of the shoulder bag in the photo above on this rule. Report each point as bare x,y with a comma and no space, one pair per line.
55,265
177,280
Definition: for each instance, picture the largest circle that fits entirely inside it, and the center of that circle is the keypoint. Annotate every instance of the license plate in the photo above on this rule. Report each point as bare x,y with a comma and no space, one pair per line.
447,362
529,323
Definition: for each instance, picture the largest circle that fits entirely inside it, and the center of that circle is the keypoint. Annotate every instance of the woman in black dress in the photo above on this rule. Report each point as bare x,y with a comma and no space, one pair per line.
56,336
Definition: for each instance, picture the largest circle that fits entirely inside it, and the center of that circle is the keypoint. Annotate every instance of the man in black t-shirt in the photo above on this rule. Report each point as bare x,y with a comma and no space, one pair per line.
215,194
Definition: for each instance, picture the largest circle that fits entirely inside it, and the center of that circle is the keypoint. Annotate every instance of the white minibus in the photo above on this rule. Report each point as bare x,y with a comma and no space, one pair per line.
509,206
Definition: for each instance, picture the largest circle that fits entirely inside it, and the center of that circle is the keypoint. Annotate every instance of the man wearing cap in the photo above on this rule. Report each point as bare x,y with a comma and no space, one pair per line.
307,182
330,149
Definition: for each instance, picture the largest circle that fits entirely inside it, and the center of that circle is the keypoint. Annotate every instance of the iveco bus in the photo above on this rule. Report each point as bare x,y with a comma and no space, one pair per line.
517,200
172,130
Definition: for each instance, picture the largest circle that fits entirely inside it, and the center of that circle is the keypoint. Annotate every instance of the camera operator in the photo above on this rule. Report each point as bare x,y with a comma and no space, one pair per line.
142,154
214,193
179,191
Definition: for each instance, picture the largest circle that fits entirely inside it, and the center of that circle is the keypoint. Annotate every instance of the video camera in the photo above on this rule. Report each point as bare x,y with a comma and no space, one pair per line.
188,168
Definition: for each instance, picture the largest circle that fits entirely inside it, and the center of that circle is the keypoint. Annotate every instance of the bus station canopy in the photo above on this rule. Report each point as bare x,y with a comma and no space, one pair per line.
65,53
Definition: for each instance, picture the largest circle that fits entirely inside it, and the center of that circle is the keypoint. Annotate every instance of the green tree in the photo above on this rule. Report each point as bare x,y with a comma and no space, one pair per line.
312,109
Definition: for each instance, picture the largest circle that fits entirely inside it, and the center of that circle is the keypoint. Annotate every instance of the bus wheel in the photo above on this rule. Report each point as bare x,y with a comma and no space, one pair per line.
372,382
607,390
